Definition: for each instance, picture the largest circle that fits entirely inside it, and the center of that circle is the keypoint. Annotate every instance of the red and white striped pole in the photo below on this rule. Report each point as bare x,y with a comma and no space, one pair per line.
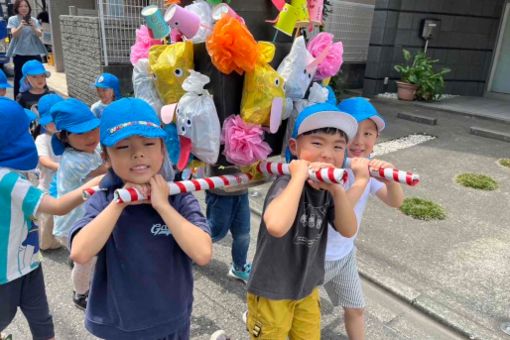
403,177
326,175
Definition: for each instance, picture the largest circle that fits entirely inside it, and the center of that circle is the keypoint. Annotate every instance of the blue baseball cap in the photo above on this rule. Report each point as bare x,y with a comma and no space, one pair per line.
31,68
129,117
74,116
17,147
44,105
3,81
109,81
323,115
34,68
361,109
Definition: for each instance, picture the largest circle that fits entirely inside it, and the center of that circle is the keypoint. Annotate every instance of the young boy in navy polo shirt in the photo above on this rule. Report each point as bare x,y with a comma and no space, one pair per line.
142,286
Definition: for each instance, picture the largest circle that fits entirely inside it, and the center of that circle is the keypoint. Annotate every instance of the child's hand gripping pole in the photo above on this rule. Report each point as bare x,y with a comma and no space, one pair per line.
403,177
326,175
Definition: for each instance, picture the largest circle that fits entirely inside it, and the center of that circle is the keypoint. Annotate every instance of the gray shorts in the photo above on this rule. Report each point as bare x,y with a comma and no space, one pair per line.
342,282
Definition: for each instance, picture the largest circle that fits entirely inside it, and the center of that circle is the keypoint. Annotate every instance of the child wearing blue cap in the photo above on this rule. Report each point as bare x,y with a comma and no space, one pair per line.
342,282
21,276
288,267
108,89
48,165
4,84
32,84
77,140
142,287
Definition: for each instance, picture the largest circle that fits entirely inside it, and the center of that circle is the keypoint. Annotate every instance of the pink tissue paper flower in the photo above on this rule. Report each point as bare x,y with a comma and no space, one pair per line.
143,42
330,66
243,142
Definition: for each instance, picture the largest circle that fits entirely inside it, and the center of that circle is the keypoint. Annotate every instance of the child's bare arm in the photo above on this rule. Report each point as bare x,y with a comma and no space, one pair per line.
67,202
391,193
195,242
47,162
282,210
345,219
359,168
101,170
92,238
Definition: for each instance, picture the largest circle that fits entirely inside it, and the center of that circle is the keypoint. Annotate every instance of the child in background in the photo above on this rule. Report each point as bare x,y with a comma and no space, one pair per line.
283,293
142,287
342,281
21,276
4,84
77,141
230,210
48,165
108,89
33,84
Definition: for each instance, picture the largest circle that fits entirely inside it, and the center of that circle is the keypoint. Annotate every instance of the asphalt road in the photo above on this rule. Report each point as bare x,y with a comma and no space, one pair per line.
220,302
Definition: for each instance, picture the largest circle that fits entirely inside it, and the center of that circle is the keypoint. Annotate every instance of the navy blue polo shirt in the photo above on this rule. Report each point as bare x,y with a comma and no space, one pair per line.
142,286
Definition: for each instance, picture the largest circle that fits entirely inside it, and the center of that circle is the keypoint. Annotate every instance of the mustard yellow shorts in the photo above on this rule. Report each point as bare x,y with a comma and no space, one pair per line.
282,319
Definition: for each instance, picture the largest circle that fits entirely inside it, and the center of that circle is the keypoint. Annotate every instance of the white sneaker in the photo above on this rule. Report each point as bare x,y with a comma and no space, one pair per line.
219,335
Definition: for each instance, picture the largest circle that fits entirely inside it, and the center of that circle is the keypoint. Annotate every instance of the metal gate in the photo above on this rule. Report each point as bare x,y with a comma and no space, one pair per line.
118,21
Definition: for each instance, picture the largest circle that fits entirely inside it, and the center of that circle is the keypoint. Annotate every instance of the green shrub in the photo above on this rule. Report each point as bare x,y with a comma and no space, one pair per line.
421,209
504,162
477,181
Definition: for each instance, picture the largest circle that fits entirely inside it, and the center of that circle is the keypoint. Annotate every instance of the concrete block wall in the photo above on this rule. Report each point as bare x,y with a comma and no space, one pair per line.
81,47
465,42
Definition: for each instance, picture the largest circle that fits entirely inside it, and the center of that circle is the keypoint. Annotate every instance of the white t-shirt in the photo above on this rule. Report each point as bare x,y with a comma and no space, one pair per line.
338,246
43,144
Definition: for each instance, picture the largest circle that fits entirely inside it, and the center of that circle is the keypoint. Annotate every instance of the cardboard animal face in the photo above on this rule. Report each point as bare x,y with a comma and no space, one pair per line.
262,88
170,65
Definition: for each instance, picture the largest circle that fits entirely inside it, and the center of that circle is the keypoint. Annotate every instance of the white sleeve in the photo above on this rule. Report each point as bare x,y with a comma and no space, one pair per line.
42,145
375,186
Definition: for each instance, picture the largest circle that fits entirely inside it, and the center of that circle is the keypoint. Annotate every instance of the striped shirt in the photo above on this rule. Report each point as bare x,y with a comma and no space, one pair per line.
19,239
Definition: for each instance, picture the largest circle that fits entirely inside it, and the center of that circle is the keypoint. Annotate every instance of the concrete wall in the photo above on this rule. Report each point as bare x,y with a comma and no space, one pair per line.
465,42
82,57
56,9
80,42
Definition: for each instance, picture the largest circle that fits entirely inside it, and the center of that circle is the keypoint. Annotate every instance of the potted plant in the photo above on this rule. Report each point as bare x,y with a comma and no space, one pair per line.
418,78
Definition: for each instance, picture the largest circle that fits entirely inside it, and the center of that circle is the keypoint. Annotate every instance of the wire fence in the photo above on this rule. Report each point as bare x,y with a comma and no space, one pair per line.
118,20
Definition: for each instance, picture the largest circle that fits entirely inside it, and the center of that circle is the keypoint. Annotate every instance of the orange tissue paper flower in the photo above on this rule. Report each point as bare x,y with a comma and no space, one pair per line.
169,3
232,46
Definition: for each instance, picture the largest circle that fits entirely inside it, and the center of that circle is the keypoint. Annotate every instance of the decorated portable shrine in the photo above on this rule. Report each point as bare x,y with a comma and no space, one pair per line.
227,78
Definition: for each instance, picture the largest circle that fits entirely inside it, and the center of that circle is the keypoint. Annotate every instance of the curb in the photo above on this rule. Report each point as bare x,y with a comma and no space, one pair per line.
425,106
418,300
